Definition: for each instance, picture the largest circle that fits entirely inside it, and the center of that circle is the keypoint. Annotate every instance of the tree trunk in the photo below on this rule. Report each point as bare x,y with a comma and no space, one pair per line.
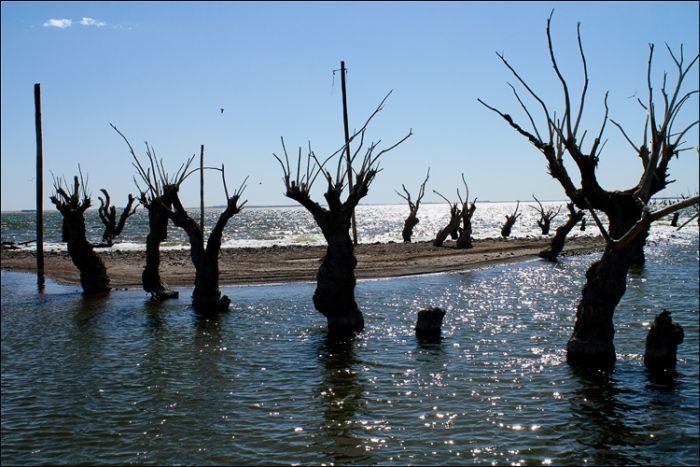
674,219
465,233
591,343
545,224
451,227
335,289
93,274
408,225
557,245
505,230
662,343
206,297
429,324
158,232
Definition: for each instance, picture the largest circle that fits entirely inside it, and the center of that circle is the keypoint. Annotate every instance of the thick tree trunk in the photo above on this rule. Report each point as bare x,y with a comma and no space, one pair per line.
545,225
158,232
508,226
450,228
429,324
591,343
662,343
408,225
559,239
465,233
206,297
93,274
335,289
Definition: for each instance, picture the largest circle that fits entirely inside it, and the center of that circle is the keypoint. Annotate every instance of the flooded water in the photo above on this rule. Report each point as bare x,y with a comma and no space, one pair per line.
117,380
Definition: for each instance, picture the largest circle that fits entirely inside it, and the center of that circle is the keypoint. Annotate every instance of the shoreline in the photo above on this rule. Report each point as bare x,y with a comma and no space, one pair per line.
299,263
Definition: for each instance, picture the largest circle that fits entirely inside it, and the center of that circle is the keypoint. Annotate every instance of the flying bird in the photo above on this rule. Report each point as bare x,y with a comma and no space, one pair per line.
222,109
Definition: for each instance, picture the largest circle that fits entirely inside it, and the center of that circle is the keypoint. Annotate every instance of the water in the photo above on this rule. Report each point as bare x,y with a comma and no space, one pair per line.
264,227
116,380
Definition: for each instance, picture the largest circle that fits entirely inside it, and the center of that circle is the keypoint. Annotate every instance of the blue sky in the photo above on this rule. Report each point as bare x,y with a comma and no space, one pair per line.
161,71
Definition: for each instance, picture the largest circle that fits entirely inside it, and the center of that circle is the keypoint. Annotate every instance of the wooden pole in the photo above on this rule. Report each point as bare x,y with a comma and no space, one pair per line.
201,188
39,189
347,145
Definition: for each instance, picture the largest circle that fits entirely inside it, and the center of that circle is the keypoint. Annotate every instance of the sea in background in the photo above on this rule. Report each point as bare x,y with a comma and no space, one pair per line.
119,380
293,225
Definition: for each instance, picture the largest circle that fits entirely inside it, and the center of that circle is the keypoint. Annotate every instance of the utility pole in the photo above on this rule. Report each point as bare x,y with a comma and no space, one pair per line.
39,189
201,189
347,145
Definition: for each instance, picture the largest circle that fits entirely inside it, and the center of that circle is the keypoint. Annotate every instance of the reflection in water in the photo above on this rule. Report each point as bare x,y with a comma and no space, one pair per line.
604,419
342,396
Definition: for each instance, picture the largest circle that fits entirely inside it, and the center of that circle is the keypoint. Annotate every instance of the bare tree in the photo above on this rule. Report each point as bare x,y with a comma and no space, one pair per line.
465,232
206,297
452,227
93,274
557,244
546,217
156,202
412,219
108,214
335,281
510,221
628,214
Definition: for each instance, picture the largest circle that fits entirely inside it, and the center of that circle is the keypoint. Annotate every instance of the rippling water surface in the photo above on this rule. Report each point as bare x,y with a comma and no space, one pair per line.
119,380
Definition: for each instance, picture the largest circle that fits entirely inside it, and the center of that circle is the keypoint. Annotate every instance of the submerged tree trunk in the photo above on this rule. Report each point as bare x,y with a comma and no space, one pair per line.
157,233
334,296
662,343
559,239
206,297
93,274
591,343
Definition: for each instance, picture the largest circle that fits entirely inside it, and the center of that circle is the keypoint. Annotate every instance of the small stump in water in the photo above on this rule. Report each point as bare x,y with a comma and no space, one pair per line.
429,324
662,343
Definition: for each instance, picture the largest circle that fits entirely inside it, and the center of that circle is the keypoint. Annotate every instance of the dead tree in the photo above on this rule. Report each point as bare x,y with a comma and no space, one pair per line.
93,274
557,244
546,217
156,202
206,297
662,343
412,219
334,296
465,232
452,226
510,221
627,211
108,214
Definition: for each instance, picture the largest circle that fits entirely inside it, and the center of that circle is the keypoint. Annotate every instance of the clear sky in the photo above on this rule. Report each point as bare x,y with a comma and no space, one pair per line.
161,71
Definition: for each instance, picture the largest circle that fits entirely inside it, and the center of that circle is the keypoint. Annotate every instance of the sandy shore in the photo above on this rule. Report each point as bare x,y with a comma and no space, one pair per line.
300,263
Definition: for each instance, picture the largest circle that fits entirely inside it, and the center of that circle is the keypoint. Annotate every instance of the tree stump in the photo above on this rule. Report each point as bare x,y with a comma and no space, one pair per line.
429,324
662,343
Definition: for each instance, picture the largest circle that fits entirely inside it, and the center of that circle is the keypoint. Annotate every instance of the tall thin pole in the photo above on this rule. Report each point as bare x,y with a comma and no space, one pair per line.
39,189
201,188
347,145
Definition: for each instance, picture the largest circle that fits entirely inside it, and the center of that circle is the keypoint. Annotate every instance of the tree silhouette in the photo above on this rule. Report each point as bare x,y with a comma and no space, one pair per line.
627,211
334,296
